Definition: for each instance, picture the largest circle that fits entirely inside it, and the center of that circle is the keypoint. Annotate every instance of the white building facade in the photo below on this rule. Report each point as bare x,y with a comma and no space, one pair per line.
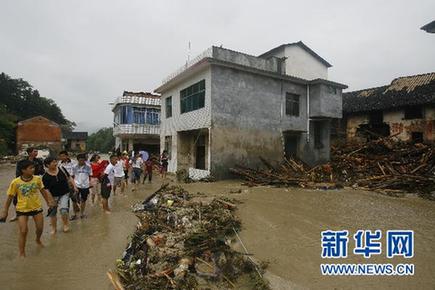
136,123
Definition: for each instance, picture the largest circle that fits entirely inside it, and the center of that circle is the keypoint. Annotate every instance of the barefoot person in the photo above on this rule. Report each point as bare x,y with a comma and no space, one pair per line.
82,173
136,164
119,176
148,172
97,171
58,182
32,154
67,164
126,164
107,181
164,163
25,188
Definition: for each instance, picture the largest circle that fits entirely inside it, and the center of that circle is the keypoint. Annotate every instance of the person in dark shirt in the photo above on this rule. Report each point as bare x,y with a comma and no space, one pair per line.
148,170
32,156
58,181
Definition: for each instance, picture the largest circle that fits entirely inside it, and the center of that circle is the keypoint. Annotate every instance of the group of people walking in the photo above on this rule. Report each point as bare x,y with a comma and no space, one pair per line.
63,182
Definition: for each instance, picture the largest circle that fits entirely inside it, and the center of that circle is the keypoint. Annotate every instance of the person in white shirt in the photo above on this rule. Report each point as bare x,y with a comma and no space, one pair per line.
67,164
137,165
82,173
119,180
107,182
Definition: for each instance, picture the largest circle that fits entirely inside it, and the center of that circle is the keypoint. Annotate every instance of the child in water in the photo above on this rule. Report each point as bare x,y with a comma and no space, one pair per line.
26,188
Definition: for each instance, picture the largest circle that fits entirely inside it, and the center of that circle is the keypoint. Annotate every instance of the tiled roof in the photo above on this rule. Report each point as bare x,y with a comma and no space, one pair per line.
430,27
301,45
76,135
403,91
141,98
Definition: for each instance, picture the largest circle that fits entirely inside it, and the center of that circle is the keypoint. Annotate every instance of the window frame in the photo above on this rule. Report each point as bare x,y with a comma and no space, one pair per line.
193,97
292,105
168,107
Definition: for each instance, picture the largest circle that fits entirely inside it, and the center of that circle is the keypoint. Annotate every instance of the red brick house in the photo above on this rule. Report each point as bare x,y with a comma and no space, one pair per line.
39,132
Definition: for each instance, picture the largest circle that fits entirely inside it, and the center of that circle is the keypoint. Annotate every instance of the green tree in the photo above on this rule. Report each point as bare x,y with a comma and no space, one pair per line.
19,101
102,140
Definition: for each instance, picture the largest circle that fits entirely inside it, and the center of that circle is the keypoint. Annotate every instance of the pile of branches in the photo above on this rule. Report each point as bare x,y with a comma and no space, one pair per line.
181,243
385,164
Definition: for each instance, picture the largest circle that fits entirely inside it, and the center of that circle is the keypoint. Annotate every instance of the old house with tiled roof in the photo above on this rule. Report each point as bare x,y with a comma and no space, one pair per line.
405,108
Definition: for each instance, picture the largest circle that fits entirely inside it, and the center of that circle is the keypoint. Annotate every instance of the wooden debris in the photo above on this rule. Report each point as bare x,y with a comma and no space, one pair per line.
380,164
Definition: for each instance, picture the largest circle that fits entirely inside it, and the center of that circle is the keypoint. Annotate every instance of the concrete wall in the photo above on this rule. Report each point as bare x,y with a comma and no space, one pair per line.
248,118
325,101
270,64
302,64
197,119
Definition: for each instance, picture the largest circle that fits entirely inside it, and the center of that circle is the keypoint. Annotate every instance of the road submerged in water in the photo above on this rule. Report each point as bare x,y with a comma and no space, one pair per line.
280,225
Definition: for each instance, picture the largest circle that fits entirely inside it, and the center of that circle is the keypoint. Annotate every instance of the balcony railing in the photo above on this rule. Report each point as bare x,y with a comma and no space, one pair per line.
136,129
205,54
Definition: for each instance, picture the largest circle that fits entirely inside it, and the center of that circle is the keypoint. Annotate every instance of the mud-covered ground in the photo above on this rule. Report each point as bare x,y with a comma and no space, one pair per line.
281,226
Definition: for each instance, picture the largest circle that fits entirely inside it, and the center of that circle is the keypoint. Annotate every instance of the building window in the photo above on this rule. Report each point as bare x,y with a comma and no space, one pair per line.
168,145
152,116
332,90
292,104
415,112
168,107
143,115
193,97
317,127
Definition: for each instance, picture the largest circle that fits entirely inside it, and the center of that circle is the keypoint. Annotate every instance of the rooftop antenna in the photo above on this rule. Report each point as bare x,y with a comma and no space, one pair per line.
188,52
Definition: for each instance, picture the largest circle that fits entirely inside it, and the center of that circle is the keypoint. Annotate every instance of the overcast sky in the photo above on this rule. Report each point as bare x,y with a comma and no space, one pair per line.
83,54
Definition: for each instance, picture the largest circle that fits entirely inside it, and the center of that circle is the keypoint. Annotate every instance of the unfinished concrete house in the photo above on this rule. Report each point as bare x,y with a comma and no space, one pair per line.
405,108
226,107
136,124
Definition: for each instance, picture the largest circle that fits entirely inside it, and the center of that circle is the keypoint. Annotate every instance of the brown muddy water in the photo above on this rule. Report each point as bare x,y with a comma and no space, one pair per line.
281,226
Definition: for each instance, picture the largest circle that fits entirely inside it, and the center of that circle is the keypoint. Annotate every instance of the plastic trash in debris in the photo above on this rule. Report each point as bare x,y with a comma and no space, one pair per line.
182,268
170,202
186,222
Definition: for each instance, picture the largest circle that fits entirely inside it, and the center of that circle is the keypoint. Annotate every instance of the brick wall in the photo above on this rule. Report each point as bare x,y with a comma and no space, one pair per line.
38,131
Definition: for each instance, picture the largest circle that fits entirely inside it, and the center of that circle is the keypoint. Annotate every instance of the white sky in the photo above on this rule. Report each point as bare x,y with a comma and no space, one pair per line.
83,54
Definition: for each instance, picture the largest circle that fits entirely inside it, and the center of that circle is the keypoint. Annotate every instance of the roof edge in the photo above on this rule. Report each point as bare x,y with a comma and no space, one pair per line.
301,45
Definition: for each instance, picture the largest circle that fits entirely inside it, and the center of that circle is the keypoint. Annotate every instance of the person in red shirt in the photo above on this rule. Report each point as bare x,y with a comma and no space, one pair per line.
97,170
148,166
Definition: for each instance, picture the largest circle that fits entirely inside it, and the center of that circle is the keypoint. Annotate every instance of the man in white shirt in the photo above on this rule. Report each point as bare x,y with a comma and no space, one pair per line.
107,182
68,164
118,180
82,173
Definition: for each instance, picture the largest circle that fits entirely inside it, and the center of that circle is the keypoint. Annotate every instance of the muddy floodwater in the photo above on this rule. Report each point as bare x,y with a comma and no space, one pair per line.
281,226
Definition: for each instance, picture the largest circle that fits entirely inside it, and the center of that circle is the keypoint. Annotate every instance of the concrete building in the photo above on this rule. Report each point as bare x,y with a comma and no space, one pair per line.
38,132
136,124
405,108
226,107
75,141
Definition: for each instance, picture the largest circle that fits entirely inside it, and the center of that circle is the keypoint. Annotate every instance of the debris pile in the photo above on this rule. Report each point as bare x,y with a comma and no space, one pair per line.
185,243
385,164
